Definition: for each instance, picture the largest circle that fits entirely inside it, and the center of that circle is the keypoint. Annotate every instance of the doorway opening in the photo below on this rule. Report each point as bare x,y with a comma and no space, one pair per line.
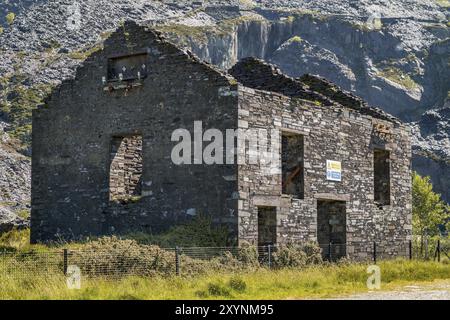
331,228
267,226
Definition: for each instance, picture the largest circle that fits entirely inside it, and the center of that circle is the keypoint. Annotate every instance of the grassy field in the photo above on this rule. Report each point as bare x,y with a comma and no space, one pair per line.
40,276
311,282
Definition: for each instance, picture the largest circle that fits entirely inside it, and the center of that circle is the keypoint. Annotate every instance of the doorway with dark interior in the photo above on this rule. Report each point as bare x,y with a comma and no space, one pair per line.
267,226
331,228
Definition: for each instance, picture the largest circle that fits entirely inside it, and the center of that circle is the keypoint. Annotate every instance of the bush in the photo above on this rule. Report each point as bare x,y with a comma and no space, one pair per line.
296,256
10,17
199,232
14,240
237,284
217,289
248,255
111,256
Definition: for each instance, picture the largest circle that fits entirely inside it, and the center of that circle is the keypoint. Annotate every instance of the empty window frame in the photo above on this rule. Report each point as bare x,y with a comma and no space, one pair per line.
292,164
125,172
381,177
128,67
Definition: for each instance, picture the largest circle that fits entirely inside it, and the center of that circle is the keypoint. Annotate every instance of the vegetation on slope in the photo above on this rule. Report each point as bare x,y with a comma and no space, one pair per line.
398,76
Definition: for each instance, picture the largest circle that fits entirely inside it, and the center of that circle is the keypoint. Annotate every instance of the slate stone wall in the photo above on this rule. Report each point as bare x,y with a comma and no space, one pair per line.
125,171
330,133
73,132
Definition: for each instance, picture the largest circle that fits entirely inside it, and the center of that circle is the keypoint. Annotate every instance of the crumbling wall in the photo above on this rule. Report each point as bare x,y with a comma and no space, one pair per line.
330,133
72,144
125,171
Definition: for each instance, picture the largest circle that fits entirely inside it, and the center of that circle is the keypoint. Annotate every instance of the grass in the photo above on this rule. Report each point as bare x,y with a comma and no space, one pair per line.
312,282
296,39
443,3
39,276
84,54
19,109
396,75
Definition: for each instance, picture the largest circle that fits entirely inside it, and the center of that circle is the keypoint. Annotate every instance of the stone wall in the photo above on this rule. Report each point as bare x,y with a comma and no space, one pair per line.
331,228
330,133
382,181
72,134
72,137
125,171
292,166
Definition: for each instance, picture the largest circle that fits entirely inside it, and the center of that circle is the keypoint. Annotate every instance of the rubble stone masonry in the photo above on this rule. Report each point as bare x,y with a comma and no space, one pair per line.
107,137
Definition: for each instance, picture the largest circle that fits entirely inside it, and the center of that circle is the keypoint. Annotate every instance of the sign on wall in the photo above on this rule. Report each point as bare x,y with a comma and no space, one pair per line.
334,170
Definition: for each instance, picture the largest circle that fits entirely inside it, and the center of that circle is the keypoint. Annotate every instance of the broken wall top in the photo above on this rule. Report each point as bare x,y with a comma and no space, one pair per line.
258,74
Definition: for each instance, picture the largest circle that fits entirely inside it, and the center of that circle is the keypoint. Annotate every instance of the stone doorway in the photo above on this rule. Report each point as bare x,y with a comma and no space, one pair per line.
267,226
331,228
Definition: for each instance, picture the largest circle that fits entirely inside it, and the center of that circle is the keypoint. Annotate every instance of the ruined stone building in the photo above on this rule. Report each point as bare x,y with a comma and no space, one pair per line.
102,148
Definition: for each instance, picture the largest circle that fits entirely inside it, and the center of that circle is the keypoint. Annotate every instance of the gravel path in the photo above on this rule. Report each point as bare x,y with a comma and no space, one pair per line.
434,291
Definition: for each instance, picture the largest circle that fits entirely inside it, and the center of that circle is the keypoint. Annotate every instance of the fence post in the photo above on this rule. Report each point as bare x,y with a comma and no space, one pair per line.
330,256
426,248
439,250
177,261
410,250
65,261
269,251
374,252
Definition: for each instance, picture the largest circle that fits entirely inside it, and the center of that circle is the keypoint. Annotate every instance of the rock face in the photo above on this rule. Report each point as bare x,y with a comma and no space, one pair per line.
393,53
432,147
9,221
15,172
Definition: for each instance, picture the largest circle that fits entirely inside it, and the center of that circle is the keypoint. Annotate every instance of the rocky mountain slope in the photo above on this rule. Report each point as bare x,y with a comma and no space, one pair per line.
393,53
15,170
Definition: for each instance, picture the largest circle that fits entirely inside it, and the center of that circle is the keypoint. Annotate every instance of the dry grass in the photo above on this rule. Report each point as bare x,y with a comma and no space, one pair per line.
311,282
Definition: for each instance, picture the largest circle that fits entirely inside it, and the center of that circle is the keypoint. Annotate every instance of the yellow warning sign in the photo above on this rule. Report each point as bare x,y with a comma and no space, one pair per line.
334,170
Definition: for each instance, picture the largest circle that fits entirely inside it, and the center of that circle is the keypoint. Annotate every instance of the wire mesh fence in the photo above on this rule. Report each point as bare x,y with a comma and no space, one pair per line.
152,260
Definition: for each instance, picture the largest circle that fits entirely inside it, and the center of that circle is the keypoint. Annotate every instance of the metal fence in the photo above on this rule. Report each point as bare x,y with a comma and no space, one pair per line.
151,260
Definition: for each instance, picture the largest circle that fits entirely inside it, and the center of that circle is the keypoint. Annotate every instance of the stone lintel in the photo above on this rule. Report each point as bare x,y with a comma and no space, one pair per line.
332,196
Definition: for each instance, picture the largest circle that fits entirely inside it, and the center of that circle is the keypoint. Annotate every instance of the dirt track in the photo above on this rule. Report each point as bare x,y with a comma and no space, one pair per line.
434,291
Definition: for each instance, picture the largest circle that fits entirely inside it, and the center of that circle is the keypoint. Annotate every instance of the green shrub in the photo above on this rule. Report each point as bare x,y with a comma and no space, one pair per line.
237,284
14,240
199,232
296,256
10,17
248,255
296,39
112,256
289,257
313,253
218,289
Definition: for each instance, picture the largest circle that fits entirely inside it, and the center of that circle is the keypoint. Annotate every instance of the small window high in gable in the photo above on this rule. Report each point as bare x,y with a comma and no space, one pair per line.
129,67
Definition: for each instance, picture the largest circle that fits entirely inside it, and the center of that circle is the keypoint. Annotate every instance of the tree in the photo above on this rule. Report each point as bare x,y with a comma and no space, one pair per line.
10,17
429,210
